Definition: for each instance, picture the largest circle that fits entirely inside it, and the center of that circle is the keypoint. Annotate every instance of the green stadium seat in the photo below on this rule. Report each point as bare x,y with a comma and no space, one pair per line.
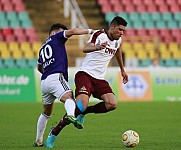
167,17
32,63
26,24
149,25
23,16
4,24
138,25
11,16
145,17
14,24
21,63
124,15
178,63
9,63
177,16
170,62
2,16
172,25
109,16
144,62
160,25
1,63
156,17
135,17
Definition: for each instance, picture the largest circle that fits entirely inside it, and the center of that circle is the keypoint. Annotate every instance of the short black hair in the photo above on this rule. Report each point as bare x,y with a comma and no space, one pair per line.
57,26
118,21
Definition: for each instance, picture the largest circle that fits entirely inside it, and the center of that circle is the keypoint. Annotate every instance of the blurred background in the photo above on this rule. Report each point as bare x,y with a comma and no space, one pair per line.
152,37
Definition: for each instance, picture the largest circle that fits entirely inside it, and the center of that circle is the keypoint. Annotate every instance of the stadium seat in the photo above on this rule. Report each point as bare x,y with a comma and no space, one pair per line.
130,8
141,32
170,62
152,8
137,25
25,46
14,24
134,17
1,63
156,17
149,25
4,24
106,8
2,15
17,54
110,16
172,25
137,2
153,32
178,62
130,32
174,8
160,25
7,31
145,17
167,17
11,16
28,54
141,8
164,32
8,7
9,63
10,38
124,15
32,62
177,16
3,46
13,46
118,8
5,54
163,8
144,62
21,63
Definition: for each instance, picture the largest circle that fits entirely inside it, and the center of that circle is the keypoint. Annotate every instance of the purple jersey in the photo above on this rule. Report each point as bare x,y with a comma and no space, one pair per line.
53,56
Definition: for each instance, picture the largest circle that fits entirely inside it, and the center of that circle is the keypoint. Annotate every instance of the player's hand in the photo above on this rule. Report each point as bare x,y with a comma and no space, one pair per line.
125,77
101,46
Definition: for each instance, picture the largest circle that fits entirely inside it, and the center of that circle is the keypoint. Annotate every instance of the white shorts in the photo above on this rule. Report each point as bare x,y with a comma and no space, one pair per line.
54,87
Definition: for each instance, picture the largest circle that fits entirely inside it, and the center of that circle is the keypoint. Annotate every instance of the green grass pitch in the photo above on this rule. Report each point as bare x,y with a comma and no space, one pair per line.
157,123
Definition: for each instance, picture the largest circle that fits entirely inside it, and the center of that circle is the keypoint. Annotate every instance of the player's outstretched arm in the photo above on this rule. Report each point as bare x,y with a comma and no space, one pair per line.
120,62
77,31
90,47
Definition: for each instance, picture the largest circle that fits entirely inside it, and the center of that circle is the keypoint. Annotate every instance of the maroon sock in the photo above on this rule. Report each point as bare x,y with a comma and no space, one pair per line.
60,126
98,108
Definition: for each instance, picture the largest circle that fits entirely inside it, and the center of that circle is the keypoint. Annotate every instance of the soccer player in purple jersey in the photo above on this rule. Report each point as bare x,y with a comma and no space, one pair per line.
89,80
53,65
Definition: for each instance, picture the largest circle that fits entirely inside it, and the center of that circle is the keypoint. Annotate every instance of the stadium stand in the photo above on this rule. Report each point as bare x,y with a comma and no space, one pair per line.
16,29
157,19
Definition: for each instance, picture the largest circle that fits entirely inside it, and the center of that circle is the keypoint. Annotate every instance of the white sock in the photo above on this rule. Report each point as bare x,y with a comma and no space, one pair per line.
41,125
70,107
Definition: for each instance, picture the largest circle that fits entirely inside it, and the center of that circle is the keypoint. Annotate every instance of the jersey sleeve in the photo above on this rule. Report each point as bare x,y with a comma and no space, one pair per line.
61,36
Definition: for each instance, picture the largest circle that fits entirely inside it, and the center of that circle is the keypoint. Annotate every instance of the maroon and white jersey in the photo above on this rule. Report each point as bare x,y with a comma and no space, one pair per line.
96,63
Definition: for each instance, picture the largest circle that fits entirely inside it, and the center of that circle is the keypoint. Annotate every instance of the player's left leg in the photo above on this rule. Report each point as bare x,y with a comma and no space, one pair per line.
41,124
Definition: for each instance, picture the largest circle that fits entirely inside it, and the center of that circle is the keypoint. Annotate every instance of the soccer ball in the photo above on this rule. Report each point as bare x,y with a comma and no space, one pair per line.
130,138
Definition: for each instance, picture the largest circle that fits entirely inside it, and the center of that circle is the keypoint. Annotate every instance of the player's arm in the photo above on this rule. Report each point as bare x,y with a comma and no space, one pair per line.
90,47
120,62
40,68
77,31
